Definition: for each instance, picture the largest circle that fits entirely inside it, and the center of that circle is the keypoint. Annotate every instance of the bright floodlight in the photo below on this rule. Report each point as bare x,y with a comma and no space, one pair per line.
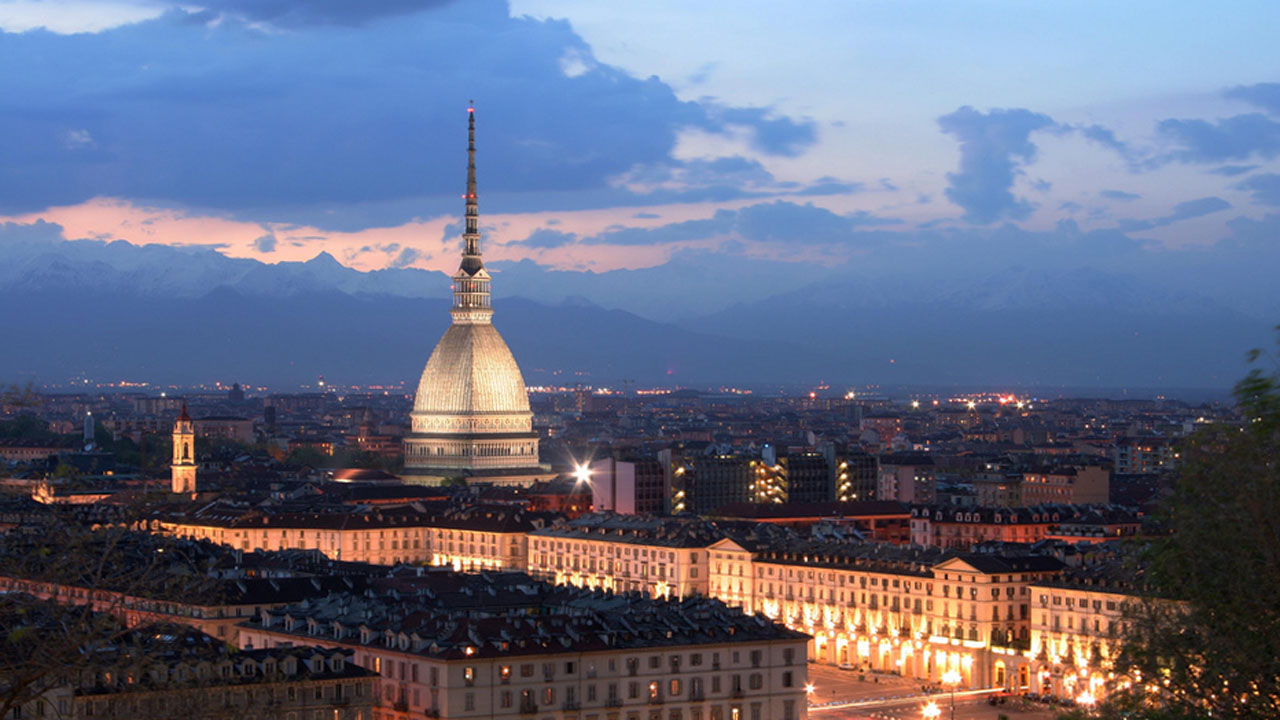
808,688
1086,698
582,472
951,677
931,711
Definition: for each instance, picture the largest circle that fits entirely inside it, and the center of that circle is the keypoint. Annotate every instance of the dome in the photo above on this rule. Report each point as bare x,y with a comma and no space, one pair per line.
471,371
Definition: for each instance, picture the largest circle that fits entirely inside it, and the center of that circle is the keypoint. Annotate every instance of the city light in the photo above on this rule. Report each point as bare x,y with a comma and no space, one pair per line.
931,710
809,688
582,473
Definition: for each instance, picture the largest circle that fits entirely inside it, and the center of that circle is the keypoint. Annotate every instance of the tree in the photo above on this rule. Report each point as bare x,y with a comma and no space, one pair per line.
86,573
1205,638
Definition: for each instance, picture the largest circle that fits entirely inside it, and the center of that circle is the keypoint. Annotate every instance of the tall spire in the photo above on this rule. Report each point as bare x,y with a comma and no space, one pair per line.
471,234
471,302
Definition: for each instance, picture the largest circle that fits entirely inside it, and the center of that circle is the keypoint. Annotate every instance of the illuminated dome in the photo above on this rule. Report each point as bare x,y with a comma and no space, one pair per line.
471,372
471,415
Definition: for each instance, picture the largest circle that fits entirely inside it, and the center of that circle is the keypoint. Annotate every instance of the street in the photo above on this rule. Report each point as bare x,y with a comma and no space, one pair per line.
890,696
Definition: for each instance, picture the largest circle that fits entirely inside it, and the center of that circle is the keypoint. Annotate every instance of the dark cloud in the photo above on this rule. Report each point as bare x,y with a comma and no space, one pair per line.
266,243
1119,195
1233,170
829,186
1106,138
344,126
770,132
1263,95
407,257
993,145
779,222
1235,138
297,13
544,238
1265,188
1182,211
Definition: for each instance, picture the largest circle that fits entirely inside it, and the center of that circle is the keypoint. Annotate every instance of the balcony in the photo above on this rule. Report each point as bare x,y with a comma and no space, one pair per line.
655,700
400,706
569,705
528,709
613,702
736,693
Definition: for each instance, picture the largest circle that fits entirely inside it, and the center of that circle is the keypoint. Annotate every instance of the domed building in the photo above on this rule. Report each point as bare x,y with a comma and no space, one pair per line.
471,416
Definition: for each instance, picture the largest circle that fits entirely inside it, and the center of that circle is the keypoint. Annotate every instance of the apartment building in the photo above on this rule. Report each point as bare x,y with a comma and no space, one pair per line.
664,557
502,645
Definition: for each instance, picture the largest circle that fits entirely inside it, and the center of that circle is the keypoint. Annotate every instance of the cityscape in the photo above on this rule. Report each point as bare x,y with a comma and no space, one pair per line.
696,423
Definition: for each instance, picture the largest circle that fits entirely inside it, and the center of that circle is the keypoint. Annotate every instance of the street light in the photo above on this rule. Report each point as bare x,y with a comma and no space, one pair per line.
952,678
931,711
582,472
1087,700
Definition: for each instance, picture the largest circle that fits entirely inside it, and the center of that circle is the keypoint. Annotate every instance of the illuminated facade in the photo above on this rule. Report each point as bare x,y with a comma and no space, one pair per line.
183,468
471,416
1075,629
662,557
917,612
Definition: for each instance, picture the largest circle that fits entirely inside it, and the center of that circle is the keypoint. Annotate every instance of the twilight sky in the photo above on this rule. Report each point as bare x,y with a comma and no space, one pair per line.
1130,136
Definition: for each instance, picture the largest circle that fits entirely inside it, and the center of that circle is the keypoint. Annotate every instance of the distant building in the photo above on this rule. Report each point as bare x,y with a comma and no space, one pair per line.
170,671
183,468
628,486
225,427
907,477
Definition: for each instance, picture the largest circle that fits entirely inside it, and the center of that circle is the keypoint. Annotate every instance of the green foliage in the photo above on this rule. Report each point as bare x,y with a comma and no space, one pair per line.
1206,638
26,426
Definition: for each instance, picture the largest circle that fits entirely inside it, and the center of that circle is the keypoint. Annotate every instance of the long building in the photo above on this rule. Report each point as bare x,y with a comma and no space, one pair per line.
502,645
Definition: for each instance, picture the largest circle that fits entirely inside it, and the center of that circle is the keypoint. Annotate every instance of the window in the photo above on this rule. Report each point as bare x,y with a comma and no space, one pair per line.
504,674
469,676
469,701
505,699
787,679
548,696
674,687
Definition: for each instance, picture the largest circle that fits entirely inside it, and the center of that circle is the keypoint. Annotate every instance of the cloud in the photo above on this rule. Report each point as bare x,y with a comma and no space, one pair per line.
1233,170
770,132
1263,95
1239,137
265,243
342,121
544,238
1182,211
993,146
1265,188
779,223
1120,195
407,257
300,13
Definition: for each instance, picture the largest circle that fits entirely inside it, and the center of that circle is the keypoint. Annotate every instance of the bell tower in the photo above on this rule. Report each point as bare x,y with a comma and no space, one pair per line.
183,467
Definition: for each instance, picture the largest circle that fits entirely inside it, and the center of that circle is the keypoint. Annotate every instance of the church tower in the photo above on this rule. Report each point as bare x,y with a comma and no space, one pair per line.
183,468
471,416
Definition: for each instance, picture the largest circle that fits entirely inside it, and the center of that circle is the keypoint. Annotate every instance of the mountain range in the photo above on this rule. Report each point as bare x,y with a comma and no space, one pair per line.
118,311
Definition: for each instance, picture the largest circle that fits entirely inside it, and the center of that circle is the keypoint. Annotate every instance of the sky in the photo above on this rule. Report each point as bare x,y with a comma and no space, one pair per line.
1134,137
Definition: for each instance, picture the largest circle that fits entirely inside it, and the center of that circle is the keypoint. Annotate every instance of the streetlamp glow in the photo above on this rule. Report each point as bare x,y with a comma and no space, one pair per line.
582,472
808,688
931,711
951,678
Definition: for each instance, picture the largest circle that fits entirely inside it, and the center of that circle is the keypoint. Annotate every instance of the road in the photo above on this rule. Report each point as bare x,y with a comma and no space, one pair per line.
889,697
